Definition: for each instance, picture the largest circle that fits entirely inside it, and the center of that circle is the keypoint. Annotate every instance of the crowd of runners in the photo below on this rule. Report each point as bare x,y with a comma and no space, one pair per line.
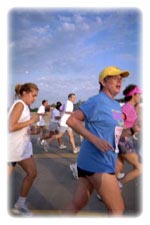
110,134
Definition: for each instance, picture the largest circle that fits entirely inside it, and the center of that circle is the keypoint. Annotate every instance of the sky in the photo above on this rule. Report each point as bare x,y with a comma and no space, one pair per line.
64,50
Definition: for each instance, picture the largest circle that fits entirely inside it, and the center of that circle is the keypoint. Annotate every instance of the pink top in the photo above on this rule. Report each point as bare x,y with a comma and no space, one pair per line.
130,113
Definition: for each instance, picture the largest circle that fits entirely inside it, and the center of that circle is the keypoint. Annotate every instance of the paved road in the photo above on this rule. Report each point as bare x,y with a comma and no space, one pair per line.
55,185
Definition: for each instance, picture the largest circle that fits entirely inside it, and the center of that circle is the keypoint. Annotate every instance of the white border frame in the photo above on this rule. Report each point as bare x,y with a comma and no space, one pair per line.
5,7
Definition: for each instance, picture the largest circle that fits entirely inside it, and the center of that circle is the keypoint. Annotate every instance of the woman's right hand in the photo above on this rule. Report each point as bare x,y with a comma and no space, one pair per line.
103,145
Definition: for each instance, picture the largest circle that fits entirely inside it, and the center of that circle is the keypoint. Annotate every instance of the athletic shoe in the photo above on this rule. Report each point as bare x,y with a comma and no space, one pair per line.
42,142
76,150
38,140
23,210
62,146
73,168
120,175
99,197
120,184
45,145
135,136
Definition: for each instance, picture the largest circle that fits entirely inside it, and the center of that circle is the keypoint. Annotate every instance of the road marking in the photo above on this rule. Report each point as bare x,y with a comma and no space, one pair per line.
55,155
59,213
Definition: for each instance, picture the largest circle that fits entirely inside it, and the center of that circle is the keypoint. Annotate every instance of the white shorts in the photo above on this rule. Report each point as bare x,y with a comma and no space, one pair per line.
64,129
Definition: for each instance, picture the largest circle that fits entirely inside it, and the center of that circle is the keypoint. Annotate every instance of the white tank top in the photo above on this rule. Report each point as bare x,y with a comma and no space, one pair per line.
19,144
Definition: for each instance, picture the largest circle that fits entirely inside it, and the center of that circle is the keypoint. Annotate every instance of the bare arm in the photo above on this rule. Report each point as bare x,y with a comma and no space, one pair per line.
69,112
75,121
14,125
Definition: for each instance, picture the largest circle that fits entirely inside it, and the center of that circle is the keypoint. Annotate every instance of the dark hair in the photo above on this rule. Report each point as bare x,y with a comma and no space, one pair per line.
129,88
70,95
27,87
44,101
101,85
58,104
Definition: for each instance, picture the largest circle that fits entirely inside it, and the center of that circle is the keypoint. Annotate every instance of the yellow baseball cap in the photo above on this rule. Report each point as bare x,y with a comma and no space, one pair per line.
112,71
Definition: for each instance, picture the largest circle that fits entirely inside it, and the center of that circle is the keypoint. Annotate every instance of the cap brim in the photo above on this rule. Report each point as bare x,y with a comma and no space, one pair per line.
124,74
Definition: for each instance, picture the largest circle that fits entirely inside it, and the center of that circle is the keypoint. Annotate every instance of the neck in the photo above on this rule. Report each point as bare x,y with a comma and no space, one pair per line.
132,102
23,99
109,94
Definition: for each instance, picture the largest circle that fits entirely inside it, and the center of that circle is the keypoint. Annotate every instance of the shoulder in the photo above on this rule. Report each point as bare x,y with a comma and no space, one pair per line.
19,103
127,108
17,106
68,102
41,106
94,97
41,109
90,103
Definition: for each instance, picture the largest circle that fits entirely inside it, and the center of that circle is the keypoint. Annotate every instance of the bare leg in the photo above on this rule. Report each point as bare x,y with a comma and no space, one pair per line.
28,165
82,194
35,130
10,169
59,138
44,132
38,130
107,187
54,137
71,138
120,163
132,159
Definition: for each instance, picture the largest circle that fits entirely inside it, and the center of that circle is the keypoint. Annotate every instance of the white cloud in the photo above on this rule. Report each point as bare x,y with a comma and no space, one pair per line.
78,18
99,20
41,30
68,26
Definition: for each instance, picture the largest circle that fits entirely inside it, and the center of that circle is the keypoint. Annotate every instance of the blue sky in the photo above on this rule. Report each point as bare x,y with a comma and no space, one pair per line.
64,50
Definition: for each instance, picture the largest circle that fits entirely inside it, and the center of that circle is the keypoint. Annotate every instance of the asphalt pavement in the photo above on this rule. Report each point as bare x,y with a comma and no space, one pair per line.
54,186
